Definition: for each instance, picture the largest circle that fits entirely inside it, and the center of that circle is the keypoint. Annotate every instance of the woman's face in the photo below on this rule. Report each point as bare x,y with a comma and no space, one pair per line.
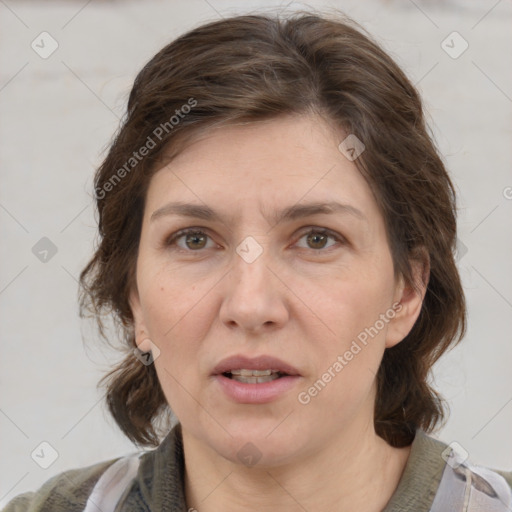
254,283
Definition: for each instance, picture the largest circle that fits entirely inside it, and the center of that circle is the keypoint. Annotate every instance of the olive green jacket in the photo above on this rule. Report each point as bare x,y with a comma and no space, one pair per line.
159,482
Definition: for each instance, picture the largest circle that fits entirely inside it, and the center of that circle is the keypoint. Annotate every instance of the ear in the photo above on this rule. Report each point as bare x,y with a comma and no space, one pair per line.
141,333
409,298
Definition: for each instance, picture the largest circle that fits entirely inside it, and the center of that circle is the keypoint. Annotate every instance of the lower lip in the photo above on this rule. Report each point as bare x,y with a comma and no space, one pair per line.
256,393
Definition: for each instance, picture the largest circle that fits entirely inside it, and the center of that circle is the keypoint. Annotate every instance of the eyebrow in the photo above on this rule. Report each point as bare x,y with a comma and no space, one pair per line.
290,213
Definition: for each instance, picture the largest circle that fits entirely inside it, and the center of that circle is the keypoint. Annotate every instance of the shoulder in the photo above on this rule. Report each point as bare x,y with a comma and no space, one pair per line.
67,491
437,472
453,455
507,475
466,482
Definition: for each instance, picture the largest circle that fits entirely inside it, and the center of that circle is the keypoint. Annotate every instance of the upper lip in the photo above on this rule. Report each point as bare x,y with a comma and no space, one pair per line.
263,362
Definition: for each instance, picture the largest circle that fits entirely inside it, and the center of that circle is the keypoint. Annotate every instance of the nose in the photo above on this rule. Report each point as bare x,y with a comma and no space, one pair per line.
254,296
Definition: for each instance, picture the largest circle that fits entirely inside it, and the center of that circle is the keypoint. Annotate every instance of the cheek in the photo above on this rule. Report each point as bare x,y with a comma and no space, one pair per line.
345,366
166,296
170,310
356,313
172,322
352,301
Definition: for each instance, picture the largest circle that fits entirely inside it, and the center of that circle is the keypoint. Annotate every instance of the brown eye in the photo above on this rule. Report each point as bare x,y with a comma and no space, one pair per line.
318,238
194,240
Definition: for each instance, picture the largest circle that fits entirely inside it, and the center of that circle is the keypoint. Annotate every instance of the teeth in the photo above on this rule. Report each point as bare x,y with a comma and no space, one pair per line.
256,380
253,373
254,376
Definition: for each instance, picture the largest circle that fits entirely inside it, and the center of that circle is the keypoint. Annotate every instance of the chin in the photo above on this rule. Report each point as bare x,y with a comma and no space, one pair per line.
268,445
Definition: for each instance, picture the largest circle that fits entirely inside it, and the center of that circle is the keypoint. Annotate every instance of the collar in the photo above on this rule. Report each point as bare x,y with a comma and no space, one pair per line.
161,475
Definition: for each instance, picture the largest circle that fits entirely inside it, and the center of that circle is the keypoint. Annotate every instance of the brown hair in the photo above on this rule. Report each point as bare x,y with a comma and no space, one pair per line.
256,67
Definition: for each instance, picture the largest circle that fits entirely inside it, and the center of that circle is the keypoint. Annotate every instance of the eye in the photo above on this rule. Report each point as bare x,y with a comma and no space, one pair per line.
317,238
193,236
195,239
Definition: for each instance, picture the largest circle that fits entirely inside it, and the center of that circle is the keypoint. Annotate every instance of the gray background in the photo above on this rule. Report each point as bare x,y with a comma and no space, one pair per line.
58,114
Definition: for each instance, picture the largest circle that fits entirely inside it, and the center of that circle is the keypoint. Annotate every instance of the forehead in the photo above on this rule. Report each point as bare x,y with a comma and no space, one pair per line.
269,164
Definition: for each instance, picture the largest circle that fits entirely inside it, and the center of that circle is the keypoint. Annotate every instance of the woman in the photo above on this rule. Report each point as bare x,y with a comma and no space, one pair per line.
276,242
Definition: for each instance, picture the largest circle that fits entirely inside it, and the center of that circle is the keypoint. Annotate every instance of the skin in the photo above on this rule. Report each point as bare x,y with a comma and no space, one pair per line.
303,301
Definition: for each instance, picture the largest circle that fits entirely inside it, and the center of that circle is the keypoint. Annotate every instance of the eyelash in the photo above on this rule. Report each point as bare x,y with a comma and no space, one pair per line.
172,239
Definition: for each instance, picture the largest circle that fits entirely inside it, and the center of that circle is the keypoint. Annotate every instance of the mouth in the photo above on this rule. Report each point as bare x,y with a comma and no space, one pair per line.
255,380
246,369
254,376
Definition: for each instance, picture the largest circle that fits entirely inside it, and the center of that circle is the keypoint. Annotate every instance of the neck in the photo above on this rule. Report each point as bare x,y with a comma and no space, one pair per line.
357,471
